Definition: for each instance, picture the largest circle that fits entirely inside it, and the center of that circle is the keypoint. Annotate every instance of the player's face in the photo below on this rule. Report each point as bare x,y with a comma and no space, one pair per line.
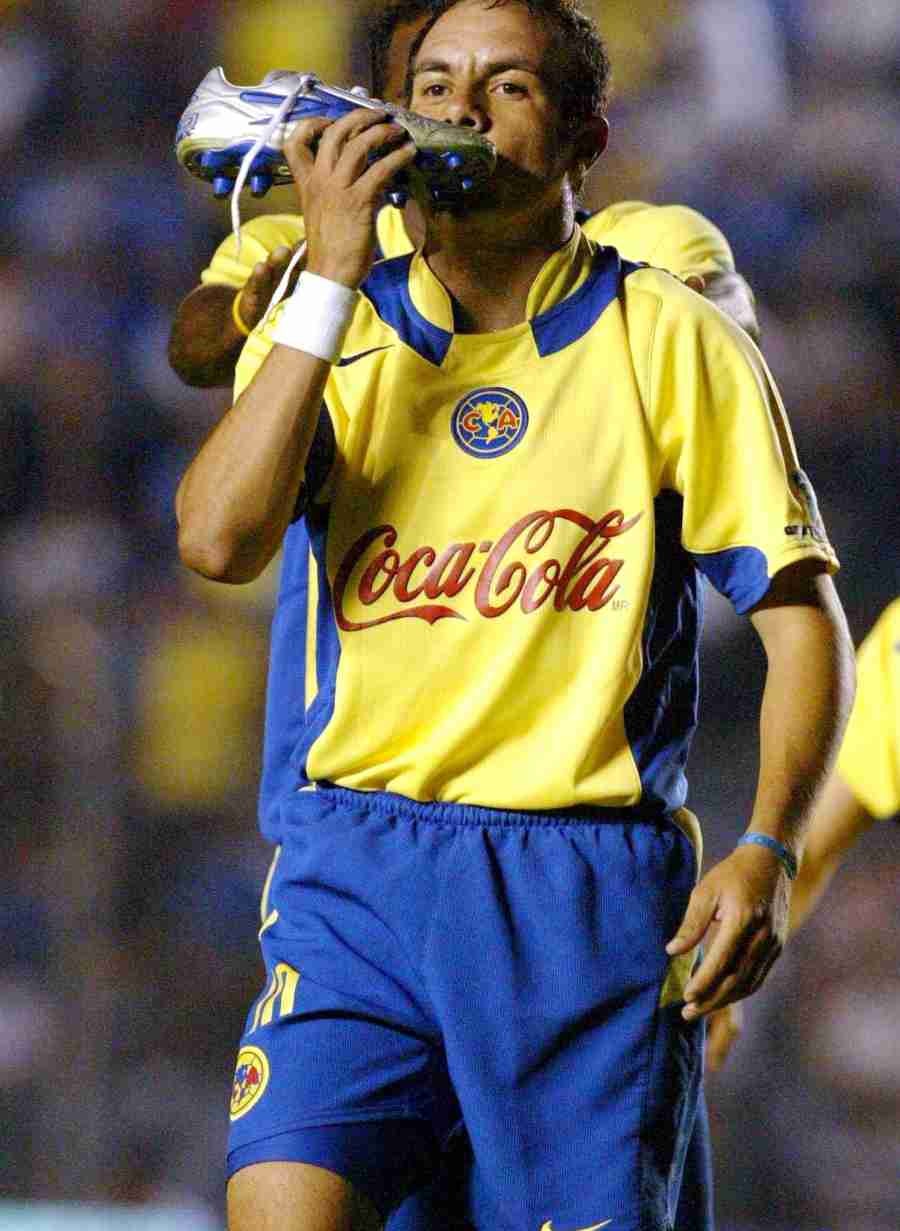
486,68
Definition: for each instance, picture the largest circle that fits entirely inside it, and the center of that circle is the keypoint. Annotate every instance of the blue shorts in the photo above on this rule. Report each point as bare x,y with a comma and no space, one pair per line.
434,968
439,1205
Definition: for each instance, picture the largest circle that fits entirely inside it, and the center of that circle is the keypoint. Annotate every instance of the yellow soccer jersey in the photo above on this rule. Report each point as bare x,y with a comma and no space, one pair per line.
671,237
506,534
869,760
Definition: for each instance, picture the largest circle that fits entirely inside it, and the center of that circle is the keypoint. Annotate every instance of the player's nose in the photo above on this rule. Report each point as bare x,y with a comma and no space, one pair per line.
467,110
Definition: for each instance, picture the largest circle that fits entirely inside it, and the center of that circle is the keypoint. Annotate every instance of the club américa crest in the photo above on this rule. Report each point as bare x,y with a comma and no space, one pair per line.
489,422
251,1076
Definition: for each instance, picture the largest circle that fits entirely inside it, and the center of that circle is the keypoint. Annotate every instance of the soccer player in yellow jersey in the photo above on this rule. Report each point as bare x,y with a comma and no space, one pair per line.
863,787
210,326
497,468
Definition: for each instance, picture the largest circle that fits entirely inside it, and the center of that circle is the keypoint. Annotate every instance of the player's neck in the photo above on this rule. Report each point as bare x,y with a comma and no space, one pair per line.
488,263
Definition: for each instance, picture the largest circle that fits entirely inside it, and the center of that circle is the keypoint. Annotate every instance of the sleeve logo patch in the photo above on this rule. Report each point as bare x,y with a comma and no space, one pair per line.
251,1076
489,422
813,527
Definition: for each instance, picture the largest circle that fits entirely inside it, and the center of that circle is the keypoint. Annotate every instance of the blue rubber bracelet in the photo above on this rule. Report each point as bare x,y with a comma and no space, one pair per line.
788,858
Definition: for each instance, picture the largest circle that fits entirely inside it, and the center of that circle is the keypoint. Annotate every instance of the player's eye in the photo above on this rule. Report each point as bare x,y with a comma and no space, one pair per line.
435,89
511,89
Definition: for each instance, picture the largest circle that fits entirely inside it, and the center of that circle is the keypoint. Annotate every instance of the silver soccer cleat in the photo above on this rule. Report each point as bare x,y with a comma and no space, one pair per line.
231,135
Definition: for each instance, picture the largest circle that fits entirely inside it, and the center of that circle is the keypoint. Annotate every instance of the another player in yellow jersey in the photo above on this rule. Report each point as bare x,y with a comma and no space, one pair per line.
864,787
865,784
211,324
508,458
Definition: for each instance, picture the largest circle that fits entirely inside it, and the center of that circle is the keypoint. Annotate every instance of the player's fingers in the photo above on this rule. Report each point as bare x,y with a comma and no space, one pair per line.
696,282
758,960
771,957
260,285
723,1030
360,149
279,259
731,974
258,274
266,273
301,145
699,914
381,172
338,134
725,951
253,297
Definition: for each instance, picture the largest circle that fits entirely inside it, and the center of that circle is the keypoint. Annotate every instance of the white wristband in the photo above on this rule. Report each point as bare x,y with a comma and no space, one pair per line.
316,317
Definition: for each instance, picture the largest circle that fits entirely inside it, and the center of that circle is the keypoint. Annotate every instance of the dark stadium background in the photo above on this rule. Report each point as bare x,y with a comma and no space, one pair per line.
131,694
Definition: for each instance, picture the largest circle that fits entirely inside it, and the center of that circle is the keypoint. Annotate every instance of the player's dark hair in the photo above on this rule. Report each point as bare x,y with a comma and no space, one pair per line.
383,27
579,59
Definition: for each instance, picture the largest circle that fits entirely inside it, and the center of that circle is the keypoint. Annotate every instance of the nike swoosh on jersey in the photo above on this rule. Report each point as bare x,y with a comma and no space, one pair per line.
363,354
548,1226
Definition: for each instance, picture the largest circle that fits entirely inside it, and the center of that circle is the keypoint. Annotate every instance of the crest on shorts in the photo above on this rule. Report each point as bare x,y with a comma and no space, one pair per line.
489,422
251,1076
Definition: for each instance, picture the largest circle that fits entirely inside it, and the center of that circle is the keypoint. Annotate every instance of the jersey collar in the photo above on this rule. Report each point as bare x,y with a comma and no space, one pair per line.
560,276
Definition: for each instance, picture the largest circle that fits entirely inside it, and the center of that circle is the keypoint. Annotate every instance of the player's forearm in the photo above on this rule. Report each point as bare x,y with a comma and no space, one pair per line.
205,343
838,820
807,698
239,495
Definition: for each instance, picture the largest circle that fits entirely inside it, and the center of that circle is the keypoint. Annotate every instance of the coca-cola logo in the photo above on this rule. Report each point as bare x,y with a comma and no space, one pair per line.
514,570
489,422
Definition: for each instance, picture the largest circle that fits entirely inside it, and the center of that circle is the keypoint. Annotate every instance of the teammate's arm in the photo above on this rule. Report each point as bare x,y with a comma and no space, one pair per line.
239,494
205,341
838,821
741,906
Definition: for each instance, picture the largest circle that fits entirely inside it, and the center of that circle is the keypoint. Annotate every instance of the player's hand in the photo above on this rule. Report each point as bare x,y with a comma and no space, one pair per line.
259,288
723,1029
740,908
732,293
341,190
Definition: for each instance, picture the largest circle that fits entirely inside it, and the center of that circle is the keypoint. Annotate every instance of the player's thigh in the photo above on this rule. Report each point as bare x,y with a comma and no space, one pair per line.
296,1197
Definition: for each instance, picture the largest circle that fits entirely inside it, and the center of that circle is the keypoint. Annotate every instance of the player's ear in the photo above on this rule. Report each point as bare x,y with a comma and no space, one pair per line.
590,143
592,140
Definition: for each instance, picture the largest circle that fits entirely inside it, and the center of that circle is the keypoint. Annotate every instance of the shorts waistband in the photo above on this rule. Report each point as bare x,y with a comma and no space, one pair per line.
386,803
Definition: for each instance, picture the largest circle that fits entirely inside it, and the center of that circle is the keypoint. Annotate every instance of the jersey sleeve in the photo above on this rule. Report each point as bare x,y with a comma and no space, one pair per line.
671,237
259,238
748,509
869,760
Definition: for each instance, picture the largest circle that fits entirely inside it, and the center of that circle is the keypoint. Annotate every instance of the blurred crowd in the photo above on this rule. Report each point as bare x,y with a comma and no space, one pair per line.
131,694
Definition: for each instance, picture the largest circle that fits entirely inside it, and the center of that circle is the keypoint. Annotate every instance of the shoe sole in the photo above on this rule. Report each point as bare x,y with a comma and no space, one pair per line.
450,163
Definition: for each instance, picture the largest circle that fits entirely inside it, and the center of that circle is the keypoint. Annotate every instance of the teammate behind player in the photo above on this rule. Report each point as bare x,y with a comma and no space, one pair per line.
865,784
863,787
506,480
213,320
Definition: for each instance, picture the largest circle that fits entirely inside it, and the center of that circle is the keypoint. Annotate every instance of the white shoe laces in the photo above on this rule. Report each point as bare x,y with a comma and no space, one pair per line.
278,118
